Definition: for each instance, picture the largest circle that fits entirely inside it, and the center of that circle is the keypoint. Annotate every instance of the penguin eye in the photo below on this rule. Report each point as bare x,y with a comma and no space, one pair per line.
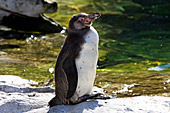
83,16
82,19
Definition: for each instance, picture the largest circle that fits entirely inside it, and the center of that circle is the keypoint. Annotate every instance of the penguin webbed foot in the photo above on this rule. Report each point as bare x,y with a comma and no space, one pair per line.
91,97
102,96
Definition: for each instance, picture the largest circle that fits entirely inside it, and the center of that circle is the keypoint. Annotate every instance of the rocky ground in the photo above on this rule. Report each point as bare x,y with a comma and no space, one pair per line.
17,96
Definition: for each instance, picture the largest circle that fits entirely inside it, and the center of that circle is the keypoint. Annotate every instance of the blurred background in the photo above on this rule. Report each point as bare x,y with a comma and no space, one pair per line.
134,49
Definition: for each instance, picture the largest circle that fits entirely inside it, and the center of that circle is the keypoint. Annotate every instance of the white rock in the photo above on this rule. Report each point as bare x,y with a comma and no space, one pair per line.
18,102
159,68
142,104
15,80
32,8
17,96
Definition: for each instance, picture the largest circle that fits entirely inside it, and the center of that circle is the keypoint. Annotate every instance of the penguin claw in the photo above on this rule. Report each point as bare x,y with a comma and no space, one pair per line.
91,97
102,96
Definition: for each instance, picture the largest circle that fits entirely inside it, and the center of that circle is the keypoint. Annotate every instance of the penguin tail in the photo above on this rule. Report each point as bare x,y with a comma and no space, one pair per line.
56,101
52,102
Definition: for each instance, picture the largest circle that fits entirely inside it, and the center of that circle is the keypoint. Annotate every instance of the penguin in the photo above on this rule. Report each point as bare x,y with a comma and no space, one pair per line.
75,68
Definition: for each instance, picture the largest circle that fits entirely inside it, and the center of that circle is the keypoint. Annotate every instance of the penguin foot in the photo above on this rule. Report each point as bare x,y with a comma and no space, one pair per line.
91,97
102,96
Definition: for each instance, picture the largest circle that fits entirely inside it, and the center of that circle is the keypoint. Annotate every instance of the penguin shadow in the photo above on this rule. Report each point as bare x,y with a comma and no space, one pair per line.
90,105
78,108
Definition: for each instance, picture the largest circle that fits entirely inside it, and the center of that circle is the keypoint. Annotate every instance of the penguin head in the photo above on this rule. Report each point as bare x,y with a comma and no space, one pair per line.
82,21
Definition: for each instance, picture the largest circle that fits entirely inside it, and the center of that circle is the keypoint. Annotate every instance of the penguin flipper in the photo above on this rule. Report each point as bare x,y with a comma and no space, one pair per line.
70,70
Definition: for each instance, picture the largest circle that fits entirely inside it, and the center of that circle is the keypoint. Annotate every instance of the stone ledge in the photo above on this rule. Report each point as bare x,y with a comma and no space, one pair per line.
16,98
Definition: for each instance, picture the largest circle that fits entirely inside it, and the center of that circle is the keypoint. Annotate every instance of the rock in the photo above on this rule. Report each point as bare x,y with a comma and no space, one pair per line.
141,104
19,85
31,8
23,102
159,68
17,96
39,24
26,15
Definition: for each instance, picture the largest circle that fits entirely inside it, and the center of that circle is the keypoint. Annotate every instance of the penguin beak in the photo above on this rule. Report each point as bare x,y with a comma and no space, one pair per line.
92,17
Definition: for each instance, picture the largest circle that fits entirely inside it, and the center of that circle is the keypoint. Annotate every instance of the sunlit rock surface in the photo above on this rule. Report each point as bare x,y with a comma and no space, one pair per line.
160,68
26,15
32,8
142,104
17,96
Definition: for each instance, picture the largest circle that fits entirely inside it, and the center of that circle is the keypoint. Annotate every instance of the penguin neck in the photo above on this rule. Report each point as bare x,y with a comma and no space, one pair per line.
75,40
77,32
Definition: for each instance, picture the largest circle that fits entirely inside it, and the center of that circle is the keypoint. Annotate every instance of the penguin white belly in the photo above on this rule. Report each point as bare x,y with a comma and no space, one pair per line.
86,63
